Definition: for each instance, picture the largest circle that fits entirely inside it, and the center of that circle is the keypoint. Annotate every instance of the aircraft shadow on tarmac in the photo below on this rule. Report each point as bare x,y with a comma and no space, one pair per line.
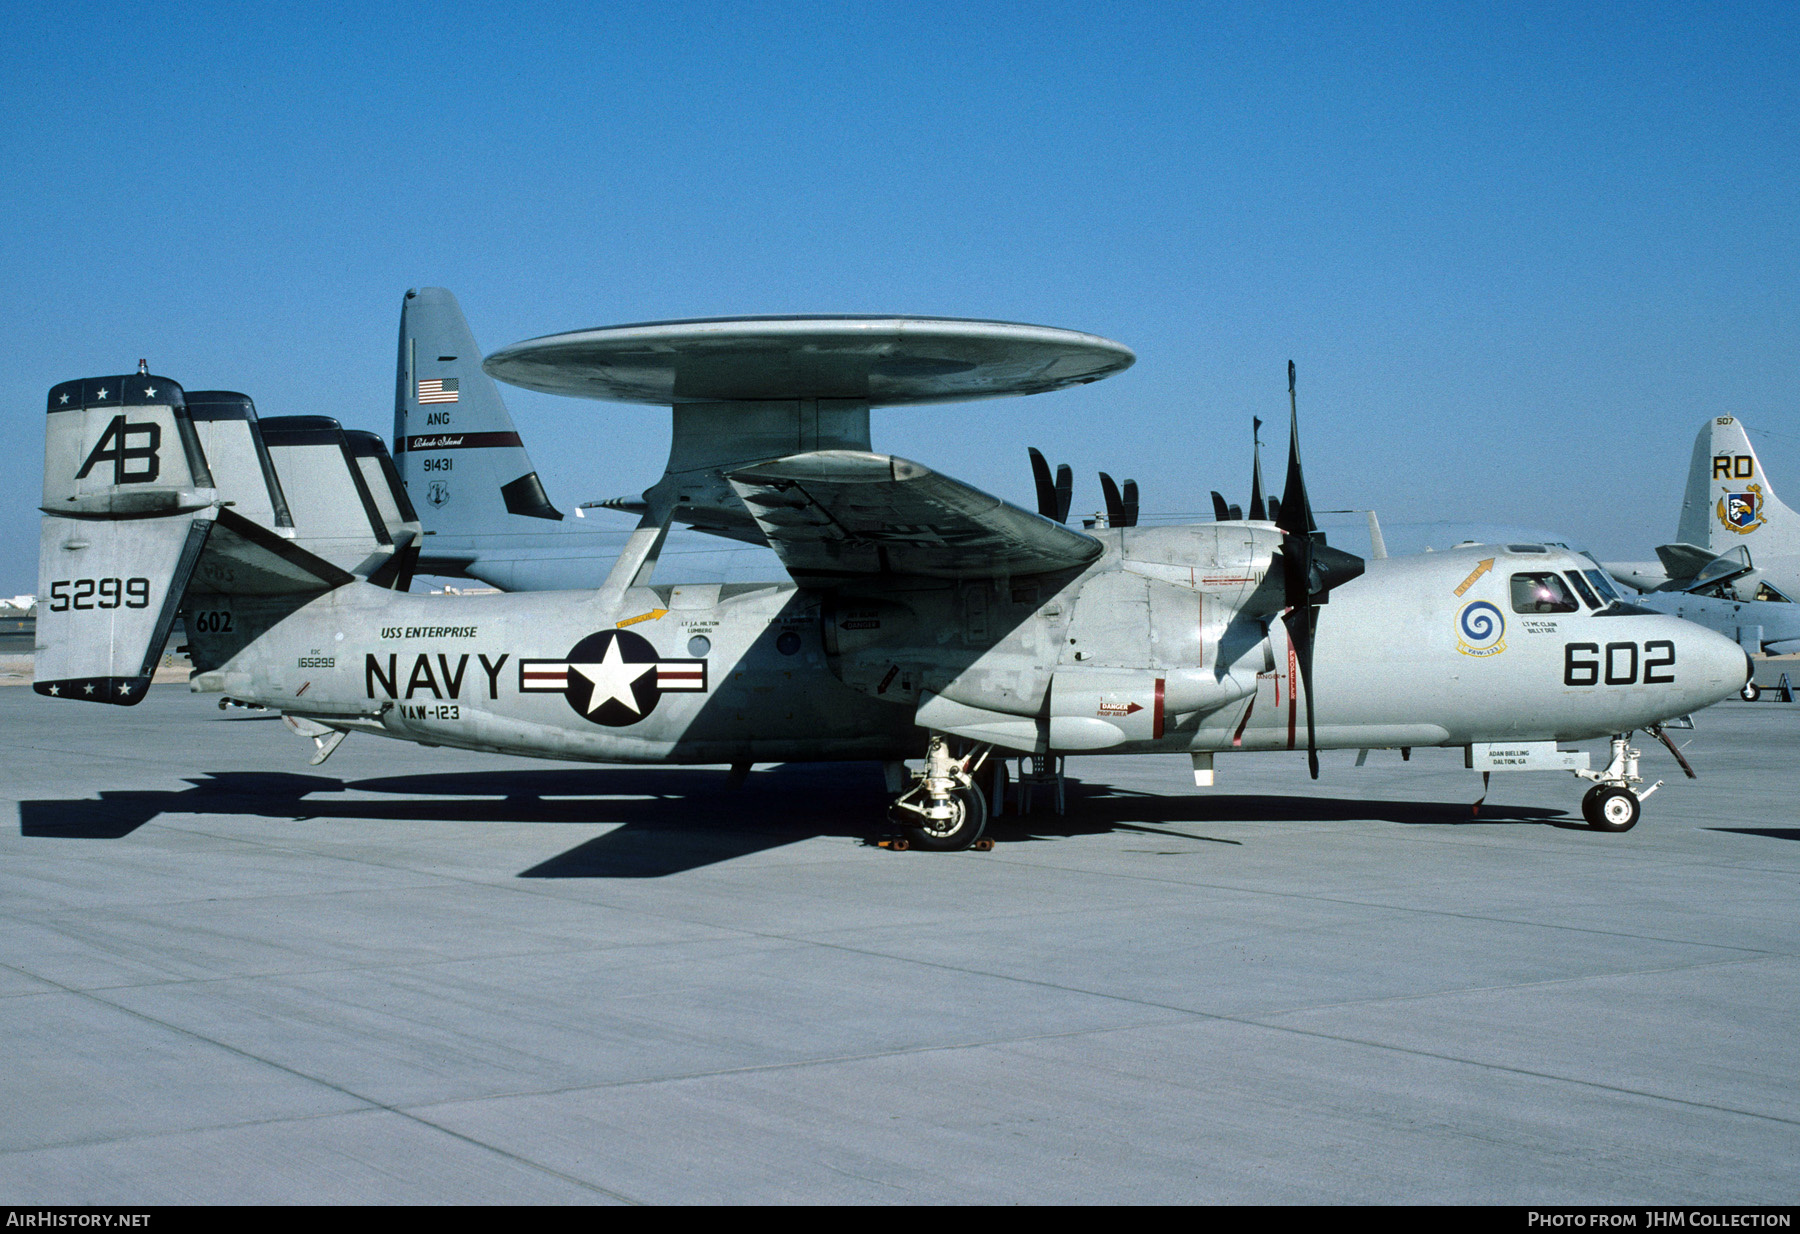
1774,833
675,819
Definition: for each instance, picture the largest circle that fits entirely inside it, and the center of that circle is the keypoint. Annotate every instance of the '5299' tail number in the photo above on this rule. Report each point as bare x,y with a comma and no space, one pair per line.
1619,664
82,594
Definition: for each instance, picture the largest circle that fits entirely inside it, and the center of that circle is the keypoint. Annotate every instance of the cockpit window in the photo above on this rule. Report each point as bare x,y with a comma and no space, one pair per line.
1603,585
1582,589
1541,593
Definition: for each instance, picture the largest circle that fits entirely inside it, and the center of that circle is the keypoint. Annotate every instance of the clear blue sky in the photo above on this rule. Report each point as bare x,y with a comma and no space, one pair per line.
1518,252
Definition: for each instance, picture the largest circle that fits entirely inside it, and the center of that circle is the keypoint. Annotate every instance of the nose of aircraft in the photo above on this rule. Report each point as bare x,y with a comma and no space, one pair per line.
1717,668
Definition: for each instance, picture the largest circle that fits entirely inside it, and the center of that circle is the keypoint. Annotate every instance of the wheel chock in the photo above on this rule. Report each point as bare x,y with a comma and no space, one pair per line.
897,844
983,845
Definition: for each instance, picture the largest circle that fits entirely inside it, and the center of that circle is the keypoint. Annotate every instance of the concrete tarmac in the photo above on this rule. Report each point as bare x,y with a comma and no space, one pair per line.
416,975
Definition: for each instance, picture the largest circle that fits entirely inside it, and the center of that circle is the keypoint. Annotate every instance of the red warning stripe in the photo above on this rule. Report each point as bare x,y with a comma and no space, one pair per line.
1237,738
1293,709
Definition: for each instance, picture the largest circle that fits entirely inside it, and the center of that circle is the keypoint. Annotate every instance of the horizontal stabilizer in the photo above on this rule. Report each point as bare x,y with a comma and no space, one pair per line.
1683,561
243,558
837,514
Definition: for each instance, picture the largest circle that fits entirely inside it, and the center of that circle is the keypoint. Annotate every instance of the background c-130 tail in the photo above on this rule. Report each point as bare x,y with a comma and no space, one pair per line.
159,503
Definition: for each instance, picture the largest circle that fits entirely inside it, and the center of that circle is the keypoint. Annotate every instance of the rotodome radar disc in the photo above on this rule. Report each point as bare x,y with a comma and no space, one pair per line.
882,361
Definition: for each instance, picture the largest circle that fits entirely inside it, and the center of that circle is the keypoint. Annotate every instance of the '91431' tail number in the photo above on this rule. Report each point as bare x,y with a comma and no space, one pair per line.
1619,664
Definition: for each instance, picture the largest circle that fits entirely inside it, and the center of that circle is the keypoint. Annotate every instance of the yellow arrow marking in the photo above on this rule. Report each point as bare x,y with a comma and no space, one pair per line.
1467,583
654,613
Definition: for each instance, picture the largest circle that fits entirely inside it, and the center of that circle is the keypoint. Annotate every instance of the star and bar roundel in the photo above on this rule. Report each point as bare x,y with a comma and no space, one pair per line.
613,678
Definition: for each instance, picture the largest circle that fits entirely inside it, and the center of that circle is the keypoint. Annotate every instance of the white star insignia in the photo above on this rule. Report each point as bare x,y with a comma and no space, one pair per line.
56,689
612,679
125,687
88,688
102,394
149,391
65,398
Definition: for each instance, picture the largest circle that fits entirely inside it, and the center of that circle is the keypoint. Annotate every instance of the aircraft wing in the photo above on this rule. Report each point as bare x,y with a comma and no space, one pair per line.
838,514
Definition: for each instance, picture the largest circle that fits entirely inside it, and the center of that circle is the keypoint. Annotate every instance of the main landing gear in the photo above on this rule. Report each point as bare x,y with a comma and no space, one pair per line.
1613,804
944,809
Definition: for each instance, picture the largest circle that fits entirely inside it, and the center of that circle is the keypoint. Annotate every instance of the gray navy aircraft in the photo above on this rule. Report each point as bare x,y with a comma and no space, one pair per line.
1735,563
921,618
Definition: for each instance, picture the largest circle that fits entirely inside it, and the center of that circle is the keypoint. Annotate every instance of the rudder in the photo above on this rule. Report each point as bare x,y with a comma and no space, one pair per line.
128,502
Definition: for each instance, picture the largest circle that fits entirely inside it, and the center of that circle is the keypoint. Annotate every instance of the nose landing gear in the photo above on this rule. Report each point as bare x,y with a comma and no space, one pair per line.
1613,804
944,809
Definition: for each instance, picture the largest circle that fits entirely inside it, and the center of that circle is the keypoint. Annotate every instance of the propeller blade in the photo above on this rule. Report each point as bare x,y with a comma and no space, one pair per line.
1046,492
1274,512
1221,511
1299,622
1115,504
1065,491
1299,575
1131,503
1237,514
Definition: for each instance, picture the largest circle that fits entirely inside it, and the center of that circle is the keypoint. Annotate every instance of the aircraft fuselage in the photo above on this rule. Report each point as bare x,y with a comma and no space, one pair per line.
1170,642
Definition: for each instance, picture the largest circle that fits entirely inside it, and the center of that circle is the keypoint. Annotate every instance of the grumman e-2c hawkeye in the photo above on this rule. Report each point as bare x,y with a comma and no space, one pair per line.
923,619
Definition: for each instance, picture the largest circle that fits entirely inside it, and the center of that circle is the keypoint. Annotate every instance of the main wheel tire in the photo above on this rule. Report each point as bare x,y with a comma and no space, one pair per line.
1608,807
1751,692
955,833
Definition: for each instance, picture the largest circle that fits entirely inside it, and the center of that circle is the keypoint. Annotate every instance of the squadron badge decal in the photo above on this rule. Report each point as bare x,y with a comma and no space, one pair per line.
1742,512
1480,630
613,678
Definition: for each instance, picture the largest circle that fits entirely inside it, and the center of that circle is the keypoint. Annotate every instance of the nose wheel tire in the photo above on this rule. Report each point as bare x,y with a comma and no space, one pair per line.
1751,692
1608,807
968,819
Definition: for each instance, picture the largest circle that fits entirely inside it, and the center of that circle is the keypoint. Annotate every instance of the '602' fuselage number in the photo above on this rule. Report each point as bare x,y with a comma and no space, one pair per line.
1619,664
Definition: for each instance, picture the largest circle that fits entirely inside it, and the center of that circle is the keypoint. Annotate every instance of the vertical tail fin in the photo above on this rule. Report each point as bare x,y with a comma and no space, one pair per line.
335,512
244,473
1729,501
382,479
128,503
458,452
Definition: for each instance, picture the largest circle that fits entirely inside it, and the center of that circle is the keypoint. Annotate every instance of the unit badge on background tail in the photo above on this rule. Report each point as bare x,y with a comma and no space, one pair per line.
1742,512
613,678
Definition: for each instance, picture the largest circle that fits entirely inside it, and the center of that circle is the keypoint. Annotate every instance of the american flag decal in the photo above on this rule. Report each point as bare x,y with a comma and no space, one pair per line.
437,389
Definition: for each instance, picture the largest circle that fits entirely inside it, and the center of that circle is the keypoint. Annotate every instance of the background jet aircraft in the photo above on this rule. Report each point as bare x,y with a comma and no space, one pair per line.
1736,539
923,617
1735,565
